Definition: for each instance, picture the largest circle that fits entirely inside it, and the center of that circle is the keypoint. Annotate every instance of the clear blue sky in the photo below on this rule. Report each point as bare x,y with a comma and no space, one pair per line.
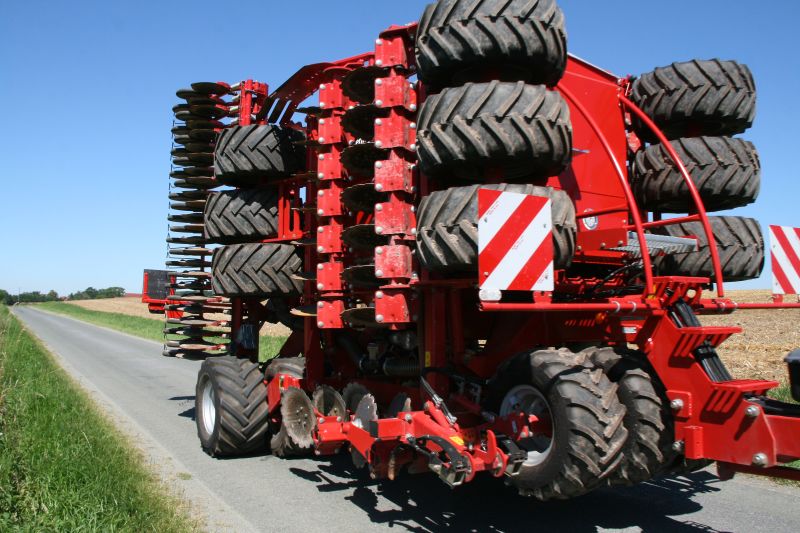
86,90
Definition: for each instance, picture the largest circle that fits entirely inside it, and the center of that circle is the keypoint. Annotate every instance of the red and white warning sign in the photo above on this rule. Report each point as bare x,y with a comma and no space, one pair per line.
785,246
515,244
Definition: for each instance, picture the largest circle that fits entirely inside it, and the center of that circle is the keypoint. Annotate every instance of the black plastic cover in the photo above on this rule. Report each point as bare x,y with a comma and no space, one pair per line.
793,361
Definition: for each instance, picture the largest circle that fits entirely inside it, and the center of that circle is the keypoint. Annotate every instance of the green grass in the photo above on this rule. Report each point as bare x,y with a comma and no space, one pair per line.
63,466
147,328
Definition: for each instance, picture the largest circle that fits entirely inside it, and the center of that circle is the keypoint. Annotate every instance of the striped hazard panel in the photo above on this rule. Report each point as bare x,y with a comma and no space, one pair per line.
515,244
785,247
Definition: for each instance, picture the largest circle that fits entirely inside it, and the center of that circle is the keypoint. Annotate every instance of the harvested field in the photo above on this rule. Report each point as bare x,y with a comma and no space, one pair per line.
756,353
132,305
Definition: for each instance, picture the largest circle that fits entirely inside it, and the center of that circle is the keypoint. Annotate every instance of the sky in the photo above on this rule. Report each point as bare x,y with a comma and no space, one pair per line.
86,91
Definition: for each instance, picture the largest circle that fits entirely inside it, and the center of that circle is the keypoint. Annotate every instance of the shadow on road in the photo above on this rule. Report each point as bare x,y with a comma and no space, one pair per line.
423,503
188,413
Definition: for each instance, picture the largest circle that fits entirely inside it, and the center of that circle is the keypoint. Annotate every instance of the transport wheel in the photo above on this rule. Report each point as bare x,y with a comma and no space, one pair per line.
648,448
482,130
726,172
257,269
739,241
241,215
586,421
246,155
231,407
696,98
447,227
459,40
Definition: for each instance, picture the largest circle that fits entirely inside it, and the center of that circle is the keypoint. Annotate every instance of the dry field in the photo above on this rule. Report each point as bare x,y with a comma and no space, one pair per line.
132,305
756,353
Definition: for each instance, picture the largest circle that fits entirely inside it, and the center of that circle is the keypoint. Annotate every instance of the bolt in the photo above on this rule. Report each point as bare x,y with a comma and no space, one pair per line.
379,273
378,63
321,140
676,404
320,286
320,324
379,250
408,419
320,305
378,187
378,230
413,147
321,157
752,411
322,105
413,125
321,193
320,266
413,209
378,207
413,231
321,175
321,212
379,295
760,459
378,103
413,107
378,42
321,420
677,446
378,164
414,275
378,144
379,82
322,86
322,121
320,249
320,230
378,318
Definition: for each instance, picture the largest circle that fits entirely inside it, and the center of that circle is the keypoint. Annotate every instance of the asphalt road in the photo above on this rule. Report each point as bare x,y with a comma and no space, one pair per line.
152,398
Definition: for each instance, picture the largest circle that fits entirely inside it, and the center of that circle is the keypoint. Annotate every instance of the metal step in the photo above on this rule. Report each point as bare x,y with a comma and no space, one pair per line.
658,244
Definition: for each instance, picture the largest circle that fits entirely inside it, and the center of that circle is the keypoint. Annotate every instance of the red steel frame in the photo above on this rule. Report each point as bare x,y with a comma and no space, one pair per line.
713,420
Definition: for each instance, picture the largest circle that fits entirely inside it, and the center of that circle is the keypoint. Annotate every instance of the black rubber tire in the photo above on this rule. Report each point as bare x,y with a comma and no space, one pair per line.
248,155
294,366
471,132
648,419
447,226
739,241
696,98
256,270
726,172
518,39
588,421
241,215
240,401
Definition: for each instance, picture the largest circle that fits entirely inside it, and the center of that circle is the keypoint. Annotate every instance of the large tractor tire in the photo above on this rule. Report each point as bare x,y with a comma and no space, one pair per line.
249,155
447,227
588,432
648,449
256,270
459,40
739,241
726,172
696,98
241,215
231,407
475,131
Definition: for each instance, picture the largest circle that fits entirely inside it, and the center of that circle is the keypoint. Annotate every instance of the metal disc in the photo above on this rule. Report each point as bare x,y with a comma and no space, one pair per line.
211,87
194,205
352,394
363,237
361,277
180,130
359,85
203,134
190,251
297,416
181,139
196,183
360,121
182,196
329,402
197,147
362,197
401,403
206,100
209,111
186,93
180,107
362,317
204,124
360,159
188,228
193,239
193,171
189,263
366,412
186,217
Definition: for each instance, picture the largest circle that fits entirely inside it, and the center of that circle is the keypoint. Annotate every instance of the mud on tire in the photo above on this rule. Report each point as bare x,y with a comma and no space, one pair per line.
447,228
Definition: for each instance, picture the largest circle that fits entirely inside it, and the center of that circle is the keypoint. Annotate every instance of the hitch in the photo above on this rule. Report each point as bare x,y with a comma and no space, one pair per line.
454,470
516,456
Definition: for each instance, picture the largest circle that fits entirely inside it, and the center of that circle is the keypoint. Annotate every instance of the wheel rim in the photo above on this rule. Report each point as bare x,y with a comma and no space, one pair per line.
527,399
208,410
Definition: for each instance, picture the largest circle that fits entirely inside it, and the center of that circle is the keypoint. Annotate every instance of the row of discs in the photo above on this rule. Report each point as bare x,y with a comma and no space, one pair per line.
190,332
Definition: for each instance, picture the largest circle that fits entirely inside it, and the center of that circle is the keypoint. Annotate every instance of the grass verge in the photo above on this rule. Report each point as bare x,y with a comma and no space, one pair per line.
147,328
63,466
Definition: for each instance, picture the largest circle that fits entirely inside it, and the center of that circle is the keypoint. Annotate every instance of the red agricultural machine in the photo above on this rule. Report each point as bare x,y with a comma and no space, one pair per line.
464,233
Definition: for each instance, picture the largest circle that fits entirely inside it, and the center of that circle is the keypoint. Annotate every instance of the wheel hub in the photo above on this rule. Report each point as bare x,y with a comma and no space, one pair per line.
530,401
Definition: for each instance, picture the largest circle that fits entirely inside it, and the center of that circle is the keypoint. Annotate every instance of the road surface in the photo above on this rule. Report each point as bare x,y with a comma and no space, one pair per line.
153,397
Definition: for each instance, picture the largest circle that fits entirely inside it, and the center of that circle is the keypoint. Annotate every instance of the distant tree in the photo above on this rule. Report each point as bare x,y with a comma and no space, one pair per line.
52,296
6,298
